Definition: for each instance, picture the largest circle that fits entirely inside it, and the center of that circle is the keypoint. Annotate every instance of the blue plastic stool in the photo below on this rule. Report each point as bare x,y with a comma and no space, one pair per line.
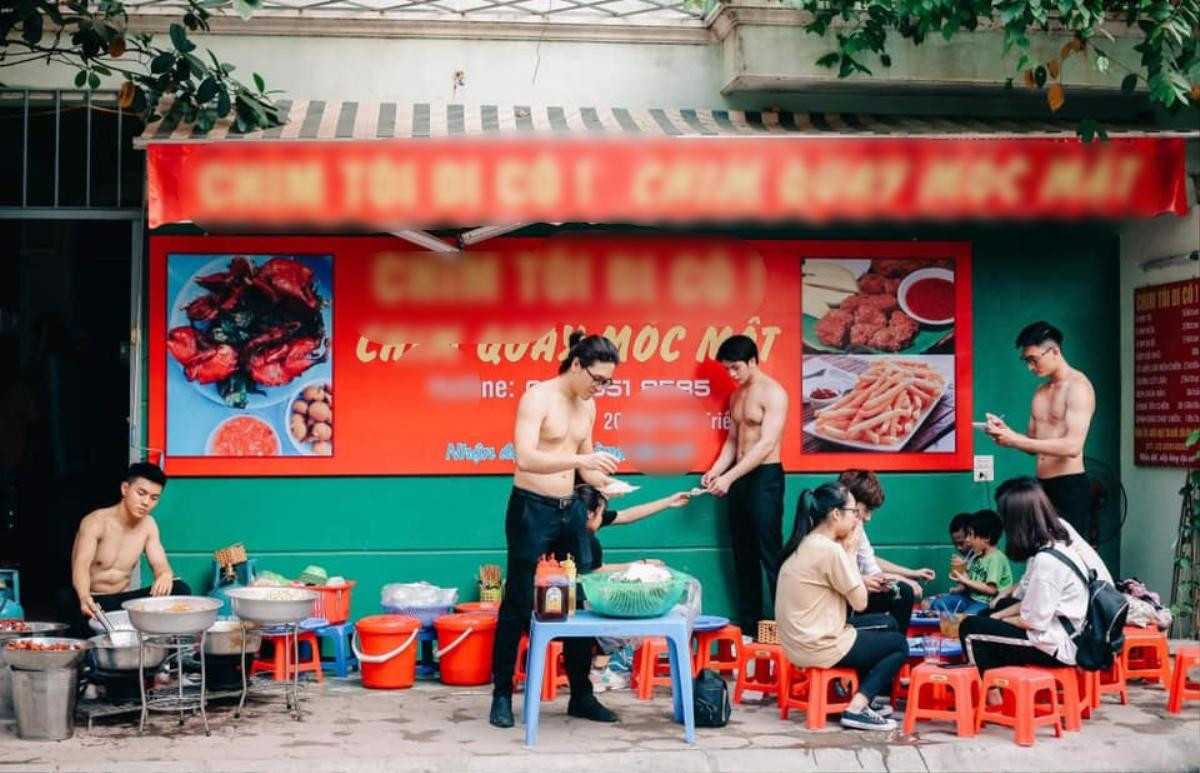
343,661
672,625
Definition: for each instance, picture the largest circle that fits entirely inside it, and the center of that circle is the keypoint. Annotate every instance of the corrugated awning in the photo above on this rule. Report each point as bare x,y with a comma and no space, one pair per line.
320,120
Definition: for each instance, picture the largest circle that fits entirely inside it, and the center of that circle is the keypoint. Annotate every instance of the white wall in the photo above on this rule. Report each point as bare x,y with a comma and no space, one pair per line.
1147,541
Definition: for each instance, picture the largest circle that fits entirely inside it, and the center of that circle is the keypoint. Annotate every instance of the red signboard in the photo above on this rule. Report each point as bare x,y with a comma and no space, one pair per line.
1166,373
359,356
404,184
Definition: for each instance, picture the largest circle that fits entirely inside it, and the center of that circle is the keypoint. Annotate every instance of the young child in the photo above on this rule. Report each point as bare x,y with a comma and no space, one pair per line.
611,670
958,535
988,574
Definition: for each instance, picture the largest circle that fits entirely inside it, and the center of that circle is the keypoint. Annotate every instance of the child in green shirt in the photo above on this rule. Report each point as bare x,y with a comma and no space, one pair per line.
989,572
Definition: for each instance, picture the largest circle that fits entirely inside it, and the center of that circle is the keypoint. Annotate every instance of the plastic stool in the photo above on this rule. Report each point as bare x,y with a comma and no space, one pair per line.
808,690
1086,680
651,667
1145,655
949,693
1112,680
1066,680
556,675
727,643
281,663
343,661
769,662
1020,708
1181,689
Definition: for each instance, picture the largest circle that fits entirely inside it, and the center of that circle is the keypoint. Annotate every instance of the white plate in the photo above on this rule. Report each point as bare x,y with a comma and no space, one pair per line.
913,278
811,429
618,487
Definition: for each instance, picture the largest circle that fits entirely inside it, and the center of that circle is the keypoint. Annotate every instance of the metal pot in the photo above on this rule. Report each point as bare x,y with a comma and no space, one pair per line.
44,660
120,652
34,629
225,638
172,614
268,605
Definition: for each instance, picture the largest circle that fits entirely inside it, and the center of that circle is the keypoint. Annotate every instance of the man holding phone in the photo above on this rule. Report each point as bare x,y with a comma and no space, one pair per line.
1059,419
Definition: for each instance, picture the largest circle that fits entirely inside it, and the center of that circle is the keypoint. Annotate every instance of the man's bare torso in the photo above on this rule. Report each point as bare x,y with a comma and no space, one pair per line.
747,409
117,551
566,425
1048,419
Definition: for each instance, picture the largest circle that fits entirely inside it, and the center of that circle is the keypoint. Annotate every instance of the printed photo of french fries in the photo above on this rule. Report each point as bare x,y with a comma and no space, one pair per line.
886,404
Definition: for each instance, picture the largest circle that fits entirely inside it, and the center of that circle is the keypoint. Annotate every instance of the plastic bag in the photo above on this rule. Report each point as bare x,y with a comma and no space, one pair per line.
690,604
417,594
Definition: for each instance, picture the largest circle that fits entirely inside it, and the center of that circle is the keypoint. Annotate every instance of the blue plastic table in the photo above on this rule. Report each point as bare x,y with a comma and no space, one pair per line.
951,648
672,626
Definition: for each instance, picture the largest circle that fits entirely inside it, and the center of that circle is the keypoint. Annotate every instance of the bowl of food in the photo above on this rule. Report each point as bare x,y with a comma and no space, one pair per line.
272,605
43,653
308,417
23,629
243,436
122,651
616,594
172,614
928,296
820,392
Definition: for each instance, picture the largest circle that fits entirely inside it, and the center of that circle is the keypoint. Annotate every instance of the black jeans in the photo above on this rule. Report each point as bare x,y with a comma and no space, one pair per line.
991,643
538,525
110,602
1071,496
876,656
899,606
756,535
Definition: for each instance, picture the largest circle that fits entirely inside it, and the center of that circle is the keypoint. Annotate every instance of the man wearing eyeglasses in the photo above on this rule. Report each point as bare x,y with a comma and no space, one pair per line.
1062,411
553,443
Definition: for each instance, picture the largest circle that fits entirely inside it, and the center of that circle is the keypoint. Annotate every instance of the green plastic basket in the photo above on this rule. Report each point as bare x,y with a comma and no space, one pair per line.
613,598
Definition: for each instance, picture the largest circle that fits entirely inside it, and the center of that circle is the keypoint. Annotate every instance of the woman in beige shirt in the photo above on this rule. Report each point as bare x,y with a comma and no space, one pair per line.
817,579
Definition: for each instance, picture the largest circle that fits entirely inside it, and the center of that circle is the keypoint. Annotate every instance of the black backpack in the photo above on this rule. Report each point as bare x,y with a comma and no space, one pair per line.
710,698
1103,634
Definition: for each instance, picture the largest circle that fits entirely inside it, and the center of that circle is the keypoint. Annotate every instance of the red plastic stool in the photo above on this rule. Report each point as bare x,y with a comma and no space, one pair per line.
280,664
651,667
1181,689
1021,709
769,662
556,673
811,690
1112,680
943,693
1072,707
717,650
1086,681
1145,655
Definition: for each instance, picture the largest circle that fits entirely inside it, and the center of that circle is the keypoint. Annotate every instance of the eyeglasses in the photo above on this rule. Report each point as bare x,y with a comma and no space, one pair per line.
600,381
848,510
1033,359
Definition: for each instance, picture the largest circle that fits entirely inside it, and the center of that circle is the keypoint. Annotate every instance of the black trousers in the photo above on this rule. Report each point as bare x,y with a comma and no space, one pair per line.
991,643
537,525
109,602
897,604
756,535
1071,496
876,656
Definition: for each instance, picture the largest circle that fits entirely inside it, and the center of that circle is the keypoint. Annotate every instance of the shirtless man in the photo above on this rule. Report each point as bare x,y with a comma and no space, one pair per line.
1058,424
553,442
754,482
110,542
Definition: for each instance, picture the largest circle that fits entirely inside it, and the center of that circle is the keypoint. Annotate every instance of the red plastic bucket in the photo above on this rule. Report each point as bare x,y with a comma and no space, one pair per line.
484,607
388,656
465,647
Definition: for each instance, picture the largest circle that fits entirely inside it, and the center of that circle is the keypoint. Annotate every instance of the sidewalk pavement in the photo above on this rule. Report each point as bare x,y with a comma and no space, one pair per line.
436,728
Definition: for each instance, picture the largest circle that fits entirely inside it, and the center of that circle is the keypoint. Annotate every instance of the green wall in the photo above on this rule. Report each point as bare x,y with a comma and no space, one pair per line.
380,530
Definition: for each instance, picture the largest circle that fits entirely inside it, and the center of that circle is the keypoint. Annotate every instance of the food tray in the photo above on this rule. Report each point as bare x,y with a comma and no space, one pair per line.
270,605
172,614
613,598
811,429
33,629
41,660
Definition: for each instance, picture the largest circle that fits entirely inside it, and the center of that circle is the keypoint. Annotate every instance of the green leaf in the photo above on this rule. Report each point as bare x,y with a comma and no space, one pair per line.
259,83
885,60
223,104
207,90
829,60
1129,83
246,8
94,81
101,69
1039,76
80,78
162,62
180,40
1023,62
196,65
1193,438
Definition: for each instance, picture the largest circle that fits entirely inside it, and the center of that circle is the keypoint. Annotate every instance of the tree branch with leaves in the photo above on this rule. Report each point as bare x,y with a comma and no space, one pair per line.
95,41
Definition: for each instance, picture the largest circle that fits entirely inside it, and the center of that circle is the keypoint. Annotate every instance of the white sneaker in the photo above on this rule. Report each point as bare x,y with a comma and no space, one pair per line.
882,706
867,719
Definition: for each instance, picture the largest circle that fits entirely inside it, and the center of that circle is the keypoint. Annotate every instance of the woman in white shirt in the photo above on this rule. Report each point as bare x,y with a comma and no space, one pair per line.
1030,631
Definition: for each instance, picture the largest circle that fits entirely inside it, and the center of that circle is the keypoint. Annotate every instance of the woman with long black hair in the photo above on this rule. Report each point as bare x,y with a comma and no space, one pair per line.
817,579
1030,630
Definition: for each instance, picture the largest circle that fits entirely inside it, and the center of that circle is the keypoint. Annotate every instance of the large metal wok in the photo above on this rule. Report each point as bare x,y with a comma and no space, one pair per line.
268,605
43,660
172,614
119,652
225,638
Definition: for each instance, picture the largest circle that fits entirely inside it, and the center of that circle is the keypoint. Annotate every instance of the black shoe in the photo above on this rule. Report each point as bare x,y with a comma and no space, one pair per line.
587,707
501,715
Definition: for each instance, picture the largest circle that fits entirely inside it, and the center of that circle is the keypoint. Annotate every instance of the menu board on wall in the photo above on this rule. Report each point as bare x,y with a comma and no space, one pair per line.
1166,372
428,355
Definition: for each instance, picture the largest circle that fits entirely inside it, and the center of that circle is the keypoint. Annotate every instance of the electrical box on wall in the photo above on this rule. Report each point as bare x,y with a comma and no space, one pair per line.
985,468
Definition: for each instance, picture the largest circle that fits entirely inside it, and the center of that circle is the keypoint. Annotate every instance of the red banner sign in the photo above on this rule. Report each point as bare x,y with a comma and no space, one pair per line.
388,185
358,356
1166,373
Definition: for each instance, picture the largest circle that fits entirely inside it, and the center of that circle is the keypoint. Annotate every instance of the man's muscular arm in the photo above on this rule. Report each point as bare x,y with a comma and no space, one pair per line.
156,556
82,555
774,416
1081,404
531,412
